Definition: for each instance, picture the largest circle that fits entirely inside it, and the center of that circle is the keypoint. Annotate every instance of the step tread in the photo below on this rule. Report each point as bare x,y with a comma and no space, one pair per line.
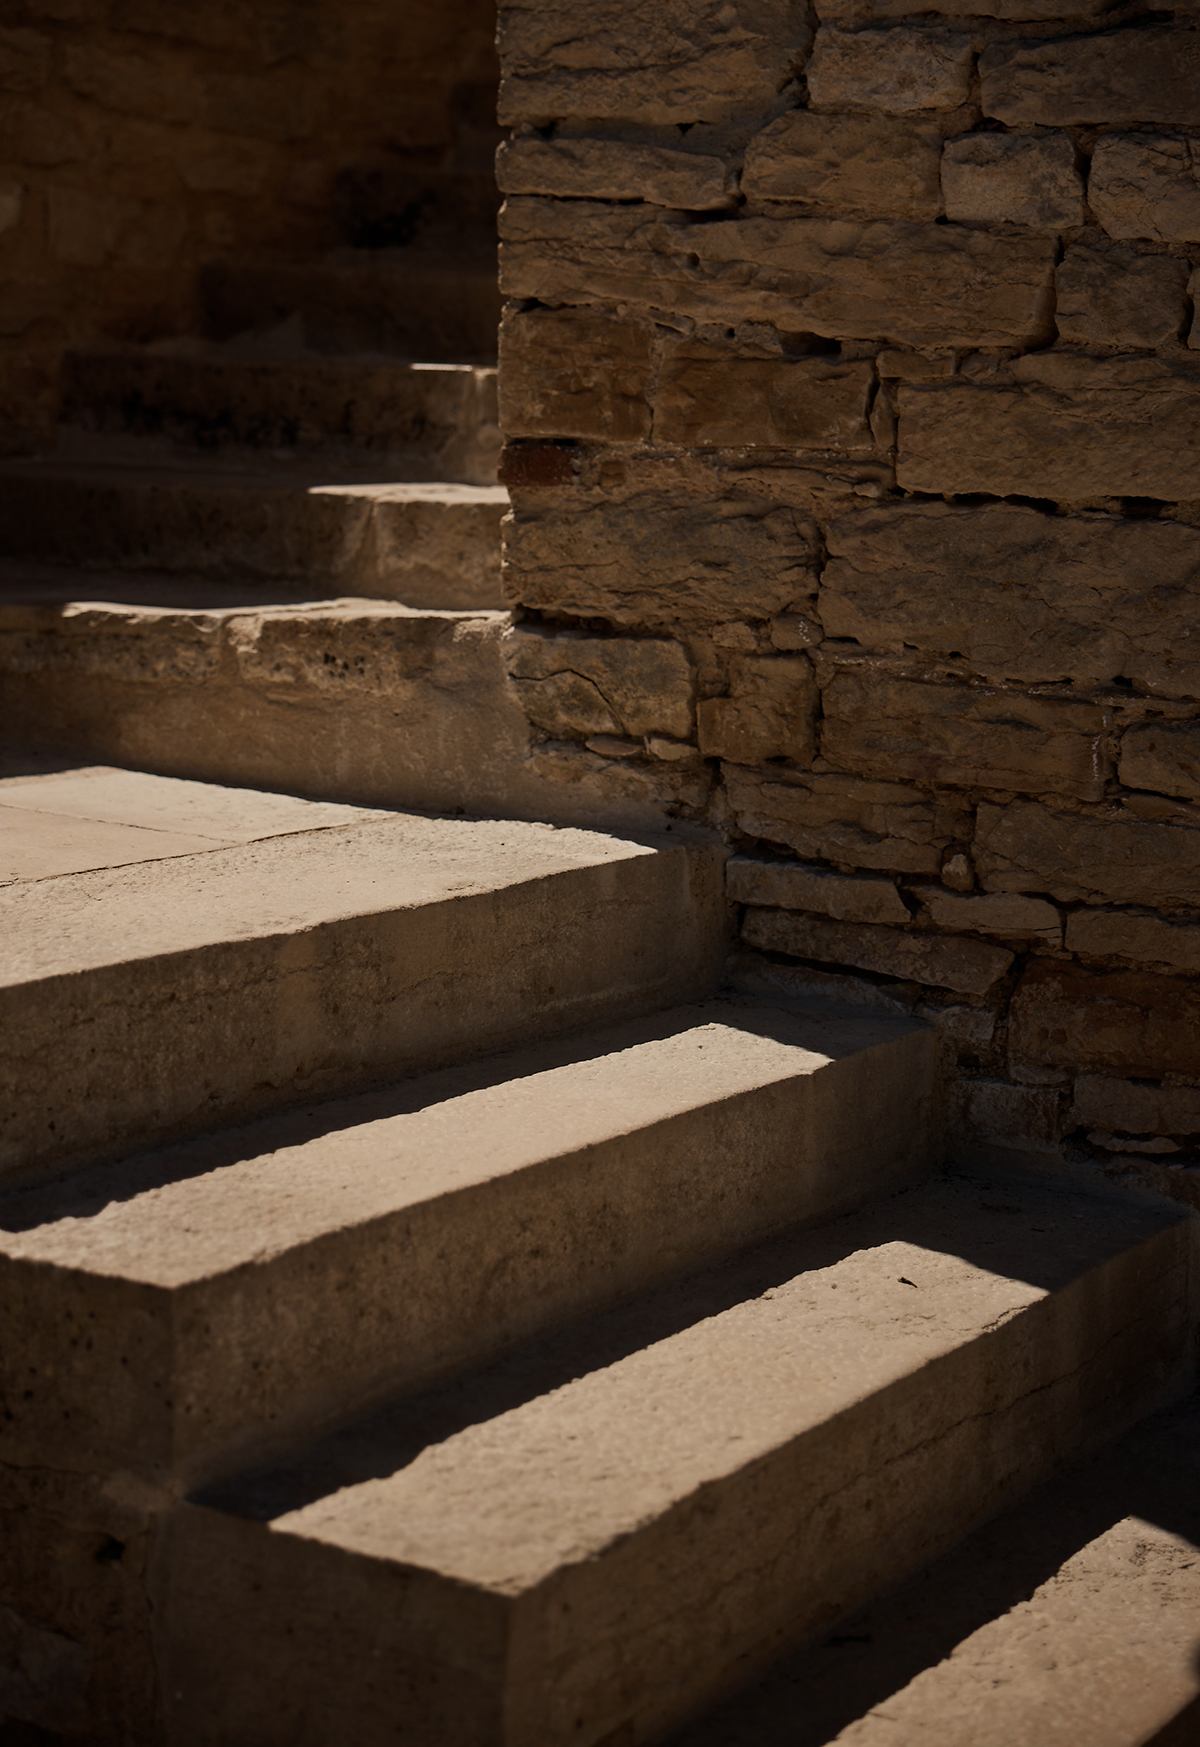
158,596
186,475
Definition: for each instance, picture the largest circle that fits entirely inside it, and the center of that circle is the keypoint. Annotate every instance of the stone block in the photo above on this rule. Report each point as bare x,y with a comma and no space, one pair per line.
656,560
846,820
1126,934
906,730
575,373
653,61
1100,1101
791,885
573,686
1110,855
1119,78
1019,595
1007,1115
706,398
1163,757
160,86
770,711
600,169
969,967
24,60
853,166
1146,185
857,12
1013,178
12,199
911,284
83,227
1064,427
897,71
1008,914
1120,1022
1117,298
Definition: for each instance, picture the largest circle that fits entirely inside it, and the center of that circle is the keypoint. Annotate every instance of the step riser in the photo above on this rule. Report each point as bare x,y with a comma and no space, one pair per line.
630,1642
245,1360
331,541
156,1048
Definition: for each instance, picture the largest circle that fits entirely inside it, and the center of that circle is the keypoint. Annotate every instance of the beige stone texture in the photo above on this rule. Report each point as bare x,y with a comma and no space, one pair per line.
657,561
970,967
1115,79
1008,914
1114,297
1175,946
918,285
1019,595
770,711
603,169
706,399
791,885
574,685
856,166
1012,178
1066,427
1119,1022
896,71
1101,1101
1146,185
575,373
847,820
905,730
652,62
1162,756
1111,855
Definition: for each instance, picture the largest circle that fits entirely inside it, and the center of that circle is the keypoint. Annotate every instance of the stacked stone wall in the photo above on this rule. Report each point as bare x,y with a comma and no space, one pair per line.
140,139
850,382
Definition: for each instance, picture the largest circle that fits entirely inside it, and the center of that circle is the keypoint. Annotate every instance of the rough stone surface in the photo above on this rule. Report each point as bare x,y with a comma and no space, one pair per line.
1109,855
857,12
1004,913
876,725
575,685
1119,1022
770,712
1011,178
970,967
1175,946
789,885
575,373
1164,757
1103,1102
859,166
896,71
995,1112
705,398
1116,298
1019,595
846,819
1117,78
1146,185
600,169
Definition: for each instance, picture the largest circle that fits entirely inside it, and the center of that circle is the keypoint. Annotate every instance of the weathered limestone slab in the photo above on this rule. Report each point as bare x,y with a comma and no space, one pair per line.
1116,79
1162,756
571,685
935,285
1019,595
896,71
1126,934
1067,427
970,967
1119,1022
1117,298
706,399
770,711
1007,914
1146,185
852,166
790,885
602,169
847,820
678,62
1100,1101
1109,855
901,729
575,373
1012,178
657,560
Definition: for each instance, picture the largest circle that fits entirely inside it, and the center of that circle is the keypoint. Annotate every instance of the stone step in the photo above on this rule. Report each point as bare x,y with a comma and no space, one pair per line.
593,1539
292,1272
412,303
245,951
1071,1618
349,416
427,544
